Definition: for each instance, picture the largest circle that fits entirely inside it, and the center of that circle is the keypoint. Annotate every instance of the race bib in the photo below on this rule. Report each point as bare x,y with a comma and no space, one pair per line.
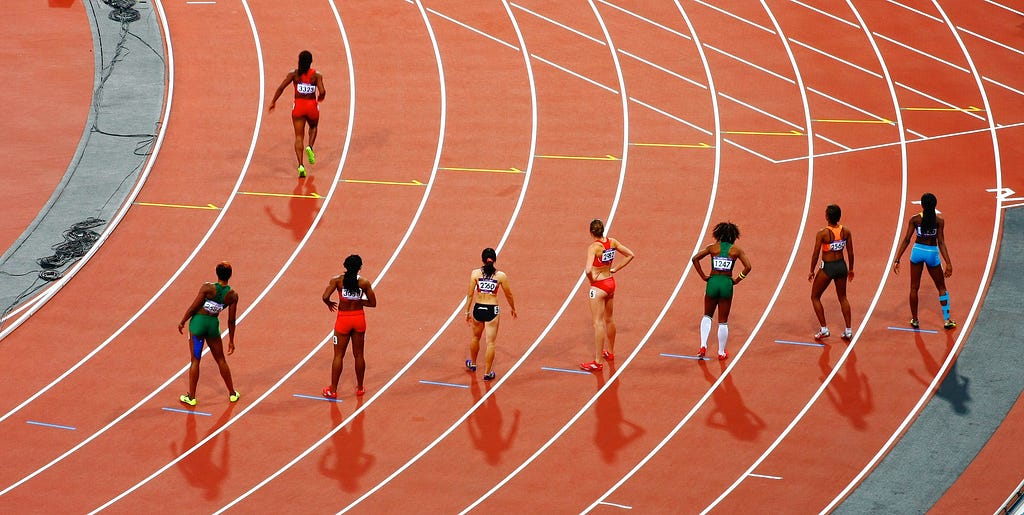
837,246
213,307
348,294
305,88
487,285
721,263
608,256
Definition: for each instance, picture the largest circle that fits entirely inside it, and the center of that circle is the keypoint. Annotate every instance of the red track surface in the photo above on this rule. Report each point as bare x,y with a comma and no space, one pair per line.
814,417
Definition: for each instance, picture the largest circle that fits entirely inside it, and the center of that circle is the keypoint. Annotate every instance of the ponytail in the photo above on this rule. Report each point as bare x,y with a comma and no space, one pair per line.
488,256
351,279
928,203
305,61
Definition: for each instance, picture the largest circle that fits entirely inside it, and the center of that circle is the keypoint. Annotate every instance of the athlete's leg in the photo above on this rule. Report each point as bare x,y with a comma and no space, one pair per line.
300,129
313,124
821,280
609,324
195,350
474,342
357,354
597,300
940,284
491,330
844,303
340,346
724,307
915,285
217,350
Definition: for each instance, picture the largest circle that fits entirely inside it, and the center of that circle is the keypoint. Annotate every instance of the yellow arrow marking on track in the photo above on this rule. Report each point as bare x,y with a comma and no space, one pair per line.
675,145
311,195
885,121
391,183
180,206
488,170
607,157
969,109
757,133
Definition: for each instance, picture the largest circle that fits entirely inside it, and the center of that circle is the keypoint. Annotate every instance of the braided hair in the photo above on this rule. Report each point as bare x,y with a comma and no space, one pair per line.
351,279
928,203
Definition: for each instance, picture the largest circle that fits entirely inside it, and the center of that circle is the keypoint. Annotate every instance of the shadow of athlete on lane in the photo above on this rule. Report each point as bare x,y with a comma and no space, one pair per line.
485,427
347,461
613,432
730,413
954,387
851,395
301,209
200,468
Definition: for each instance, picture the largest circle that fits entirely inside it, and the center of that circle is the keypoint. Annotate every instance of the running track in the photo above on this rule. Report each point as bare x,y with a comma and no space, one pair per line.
451,126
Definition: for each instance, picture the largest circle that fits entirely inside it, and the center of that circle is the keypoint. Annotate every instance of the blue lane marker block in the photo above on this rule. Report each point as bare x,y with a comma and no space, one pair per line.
44,424
567,370
912,330
806,344
315,398
438,383
683,356
188,411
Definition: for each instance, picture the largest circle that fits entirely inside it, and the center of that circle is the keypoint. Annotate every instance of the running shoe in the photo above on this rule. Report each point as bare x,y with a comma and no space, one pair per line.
185,399
847,335
723,356
822,334
489,376
950,324
302,171
607,355
234,396
329,393
360,391
702,352
914,323
310,155
592,366
470,365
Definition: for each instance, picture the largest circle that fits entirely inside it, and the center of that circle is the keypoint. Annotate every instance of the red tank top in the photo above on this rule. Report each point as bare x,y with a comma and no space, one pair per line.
303,84
607,256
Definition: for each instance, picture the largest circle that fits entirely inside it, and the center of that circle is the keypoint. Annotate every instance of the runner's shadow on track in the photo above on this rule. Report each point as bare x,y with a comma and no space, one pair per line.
485,427
954,387
850,394
729,412
301,210
347,461
199,468
613,432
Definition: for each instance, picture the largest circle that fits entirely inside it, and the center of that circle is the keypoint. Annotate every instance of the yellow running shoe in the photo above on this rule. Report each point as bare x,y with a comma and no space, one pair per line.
310,155
185,399
302,171
234,396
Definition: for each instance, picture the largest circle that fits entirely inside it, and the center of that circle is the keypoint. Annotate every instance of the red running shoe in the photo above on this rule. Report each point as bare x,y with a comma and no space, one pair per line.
702,352
360,391
723,356
592,366
330,394
607,355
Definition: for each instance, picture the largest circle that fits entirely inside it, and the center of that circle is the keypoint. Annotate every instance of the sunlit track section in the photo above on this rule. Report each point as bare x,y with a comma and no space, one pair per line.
579,282
775,295
37,302
990,263
153,299
400,373
874,302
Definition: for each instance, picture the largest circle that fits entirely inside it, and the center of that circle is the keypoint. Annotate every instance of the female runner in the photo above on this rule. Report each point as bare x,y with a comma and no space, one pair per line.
929,245
718,292
354,293
482,309
203,326
599,268
829,244
309,91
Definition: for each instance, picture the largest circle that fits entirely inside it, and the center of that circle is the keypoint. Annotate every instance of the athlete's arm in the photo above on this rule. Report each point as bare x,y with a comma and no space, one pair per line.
624,251
280,89
232,299
371,298
503,281
816,251
469,294
940,224
589,268
903,245
320,87
706,251
742,256
332,286
849,252
194,308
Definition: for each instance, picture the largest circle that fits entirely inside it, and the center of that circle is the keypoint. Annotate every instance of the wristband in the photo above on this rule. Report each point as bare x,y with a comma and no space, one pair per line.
742,276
